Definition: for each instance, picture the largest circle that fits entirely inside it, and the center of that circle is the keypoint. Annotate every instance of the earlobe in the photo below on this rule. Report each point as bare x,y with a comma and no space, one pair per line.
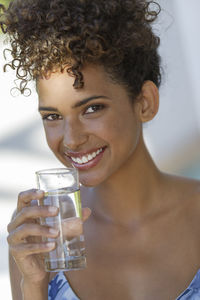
148,102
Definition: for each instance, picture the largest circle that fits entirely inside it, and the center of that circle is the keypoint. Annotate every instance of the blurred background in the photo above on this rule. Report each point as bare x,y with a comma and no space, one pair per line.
173,137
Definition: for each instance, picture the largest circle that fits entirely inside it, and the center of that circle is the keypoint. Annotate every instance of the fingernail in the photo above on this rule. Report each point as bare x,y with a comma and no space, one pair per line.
53,230
50,245
52,209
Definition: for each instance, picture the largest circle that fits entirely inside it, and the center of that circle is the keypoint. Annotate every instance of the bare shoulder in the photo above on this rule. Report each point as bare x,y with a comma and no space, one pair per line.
185,192
183,187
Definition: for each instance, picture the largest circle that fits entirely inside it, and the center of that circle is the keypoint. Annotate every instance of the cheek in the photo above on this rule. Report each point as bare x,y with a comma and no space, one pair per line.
114,129
122,128
124,136
53,137
107,128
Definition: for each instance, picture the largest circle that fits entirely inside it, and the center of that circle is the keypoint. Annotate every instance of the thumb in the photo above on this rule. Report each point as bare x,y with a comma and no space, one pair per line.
86,212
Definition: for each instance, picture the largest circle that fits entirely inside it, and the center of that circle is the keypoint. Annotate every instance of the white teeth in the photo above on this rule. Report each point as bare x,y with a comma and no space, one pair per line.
79,161
85,159
89,157
93,155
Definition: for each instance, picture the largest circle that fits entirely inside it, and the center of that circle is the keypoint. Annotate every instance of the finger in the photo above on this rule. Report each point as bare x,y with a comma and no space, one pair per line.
26,230
25,198
23,250
31,212
72,227
86,212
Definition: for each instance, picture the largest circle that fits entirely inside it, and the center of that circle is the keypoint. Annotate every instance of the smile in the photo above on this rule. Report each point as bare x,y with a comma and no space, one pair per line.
86,158
85,161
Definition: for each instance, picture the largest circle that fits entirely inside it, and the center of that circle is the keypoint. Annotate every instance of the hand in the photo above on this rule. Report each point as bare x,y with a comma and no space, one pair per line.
25,235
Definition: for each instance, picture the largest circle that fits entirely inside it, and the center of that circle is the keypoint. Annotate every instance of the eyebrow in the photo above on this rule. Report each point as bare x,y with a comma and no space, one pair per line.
47,108
78,104
86,100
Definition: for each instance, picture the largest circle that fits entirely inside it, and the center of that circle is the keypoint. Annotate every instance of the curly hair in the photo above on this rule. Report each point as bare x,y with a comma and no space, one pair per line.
52,35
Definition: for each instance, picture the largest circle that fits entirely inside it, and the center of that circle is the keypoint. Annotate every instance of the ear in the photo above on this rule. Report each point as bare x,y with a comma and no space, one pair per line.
148,102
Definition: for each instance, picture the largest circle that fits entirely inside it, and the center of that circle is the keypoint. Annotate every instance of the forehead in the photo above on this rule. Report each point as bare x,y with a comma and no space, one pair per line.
59,86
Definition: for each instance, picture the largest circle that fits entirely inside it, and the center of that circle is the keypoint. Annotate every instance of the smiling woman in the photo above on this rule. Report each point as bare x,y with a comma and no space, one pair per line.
97,72
80,128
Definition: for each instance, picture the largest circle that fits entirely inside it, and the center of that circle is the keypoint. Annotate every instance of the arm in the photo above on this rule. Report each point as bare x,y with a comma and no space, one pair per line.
27,276
22,290
15,279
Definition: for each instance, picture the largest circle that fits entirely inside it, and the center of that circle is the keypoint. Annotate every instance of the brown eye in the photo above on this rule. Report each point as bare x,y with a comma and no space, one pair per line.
94,108
52,117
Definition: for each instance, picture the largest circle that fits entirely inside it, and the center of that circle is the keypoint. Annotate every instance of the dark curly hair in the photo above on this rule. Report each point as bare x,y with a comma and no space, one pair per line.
50,35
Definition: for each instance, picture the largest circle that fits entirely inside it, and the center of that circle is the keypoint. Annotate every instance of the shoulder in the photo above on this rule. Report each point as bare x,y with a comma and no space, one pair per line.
185,193
182,187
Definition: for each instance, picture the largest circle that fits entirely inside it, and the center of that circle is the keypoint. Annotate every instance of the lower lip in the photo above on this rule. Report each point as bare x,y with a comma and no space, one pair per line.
92,163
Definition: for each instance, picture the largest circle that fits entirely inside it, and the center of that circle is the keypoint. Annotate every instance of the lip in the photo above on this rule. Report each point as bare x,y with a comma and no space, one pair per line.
82,153
92,163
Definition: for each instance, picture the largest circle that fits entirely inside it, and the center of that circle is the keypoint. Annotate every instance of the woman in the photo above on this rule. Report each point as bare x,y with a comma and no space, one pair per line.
97,74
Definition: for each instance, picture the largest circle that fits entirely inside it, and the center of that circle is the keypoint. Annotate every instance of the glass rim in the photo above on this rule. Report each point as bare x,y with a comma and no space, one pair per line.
54,171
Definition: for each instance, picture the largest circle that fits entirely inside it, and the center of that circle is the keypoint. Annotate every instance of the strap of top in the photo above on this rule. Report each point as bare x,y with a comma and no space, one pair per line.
59,289
193,290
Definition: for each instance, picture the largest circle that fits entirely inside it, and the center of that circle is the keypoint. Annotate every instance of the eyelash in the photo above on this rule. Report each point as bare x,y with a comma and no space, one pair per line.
45,117
95,107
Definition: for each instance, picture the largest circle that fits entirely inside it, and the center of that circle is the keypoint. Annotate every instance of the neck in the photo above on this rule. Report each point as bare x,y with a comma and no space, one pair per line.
131,193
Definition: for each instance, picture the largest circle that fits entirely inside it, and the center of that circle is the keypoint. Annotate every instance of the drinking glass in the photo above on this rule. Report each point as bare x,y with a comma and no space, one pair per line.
61,187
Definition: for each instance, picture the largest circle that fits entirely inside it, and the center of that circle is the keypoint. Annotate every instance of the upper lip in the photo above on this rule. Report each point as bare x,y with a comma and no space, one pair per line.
82,153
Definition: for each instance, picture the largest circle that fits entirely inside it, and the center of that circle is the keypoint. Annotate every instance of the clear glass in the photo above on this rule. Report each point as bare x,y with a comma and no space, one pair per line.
61,187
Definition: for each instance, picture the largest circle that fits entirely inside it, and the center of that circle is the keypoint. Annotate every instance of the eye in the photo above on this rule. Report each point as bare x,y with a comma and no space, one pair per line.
94,108
52,117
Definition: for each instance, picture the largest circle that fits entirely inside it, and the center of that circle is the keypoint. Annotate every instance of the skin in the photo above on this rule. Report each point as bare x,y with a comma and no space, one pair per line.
144,223
78,130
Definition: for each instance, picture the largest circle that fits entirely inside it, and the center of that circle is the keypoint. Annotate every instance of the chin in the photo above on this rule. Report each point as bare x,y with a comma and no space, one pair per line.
89,181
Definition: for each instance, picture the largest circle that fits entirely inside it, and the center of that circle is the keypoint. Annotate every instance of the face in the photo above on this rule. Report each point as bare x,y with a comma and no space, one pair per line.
95,129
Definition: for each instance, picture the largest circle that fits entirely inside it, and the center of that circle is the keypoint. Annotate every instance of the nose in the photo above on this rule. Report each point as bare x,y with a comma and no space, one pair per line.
74,135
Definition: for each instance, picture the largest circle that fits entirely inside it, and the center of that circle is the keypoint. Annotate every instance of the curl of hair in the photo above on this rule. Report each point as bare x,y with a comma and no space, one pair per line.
52,35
